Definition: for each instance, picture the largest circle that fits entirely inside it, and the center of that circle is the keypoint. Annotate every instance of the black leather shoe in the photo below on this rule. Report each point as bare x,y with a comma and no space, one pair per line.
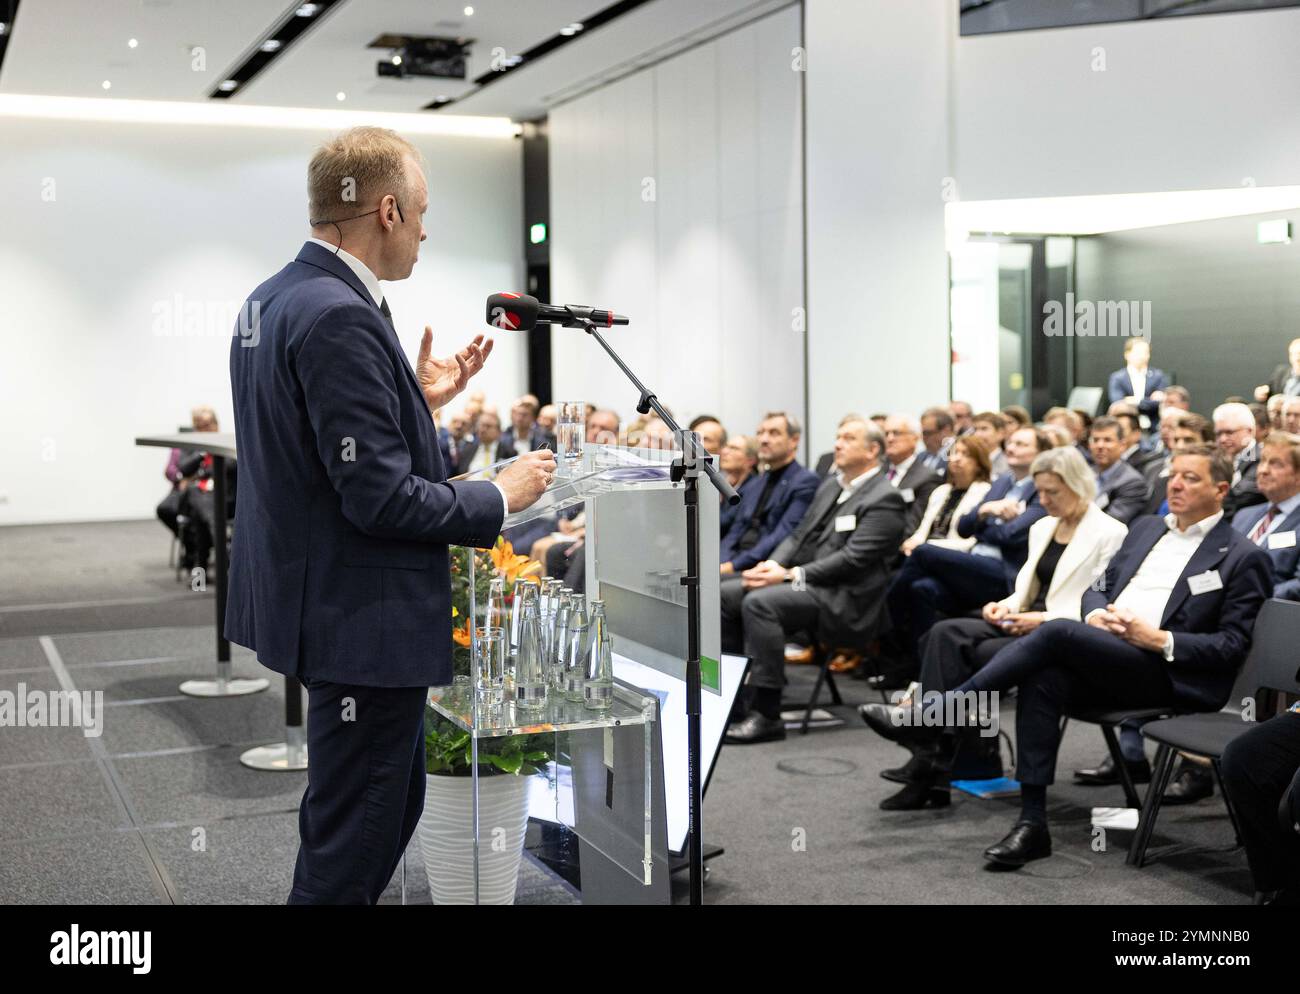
915,796
1191,785
755,728
896,724
1025,842
1105,774
908,772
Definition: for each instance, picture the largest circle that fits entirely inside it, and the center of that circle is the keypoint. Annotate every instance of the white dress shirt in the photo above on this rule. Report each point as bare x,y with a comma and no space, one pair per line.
847,490
371,282
368,279
1147,593
1284,509
1138,380
901,469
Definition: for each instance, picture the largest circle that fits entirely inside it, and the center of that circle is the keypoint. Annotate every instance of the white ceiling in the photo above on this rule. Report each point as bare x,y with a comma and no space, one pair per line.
69,47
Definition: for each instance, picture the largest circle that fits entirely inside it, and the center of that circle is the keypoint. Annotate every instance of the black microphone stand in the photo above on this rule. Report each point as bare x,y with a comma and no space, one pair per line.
686,468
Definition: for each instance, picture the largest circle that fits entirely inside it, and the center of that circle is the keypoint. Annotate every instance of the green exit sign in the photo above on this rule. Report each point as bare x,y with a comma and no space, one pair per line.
537,233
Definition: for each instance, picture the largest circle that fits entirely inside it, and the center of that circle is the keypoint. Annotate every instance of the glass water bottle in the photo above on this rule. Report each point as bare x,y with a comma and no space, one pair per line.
560,638
598,687
575,650
530,665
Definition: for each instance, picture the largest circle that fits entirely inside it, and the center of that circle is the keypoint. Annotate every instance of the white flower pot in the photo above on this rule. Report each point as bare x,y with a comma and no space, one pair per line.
446,832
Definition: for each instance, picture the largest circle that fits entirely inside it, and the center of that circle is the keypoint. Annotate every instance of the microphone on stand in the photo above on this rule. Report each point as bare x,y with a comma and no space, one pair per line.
520,312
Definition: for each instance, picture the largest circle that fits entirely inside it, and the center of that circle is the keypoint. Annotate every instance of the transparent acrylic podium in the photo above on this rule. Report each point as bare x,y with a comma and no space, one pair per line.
602,778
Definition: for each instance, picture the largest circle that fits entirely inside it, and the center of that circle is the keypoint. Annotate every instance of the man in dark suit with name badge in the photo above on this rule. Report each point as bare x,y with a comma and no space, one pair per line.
339,565
828,576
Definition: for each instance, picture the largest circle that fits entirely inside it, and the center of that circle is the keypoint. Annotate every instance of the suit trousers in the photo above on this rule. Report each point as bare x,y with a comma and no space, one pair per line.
756,623
935,581
1066,666
365,790
1257,768
956,649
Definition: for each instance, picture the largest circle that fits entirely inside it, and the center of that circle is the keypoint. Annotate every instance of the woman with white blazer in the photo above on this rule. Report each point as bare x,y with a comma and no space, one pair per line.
967,483
1068,550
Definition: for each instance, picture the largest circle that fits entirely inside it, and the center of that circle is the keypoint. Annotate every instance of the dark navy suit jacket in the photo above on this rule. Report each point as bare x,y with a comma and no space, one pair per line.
1012,537
1212,629
339,562
785,509
1286,561
1120,386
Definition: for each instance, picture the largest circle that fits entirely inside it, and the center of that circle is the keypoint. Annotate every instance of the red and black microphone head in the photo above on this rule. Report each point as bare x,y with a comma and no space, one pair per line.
512,311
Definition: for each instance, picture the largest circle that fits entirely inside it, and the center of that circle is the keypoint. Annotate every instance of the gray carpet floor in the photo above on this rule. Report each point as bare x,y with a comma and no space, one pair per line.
120,818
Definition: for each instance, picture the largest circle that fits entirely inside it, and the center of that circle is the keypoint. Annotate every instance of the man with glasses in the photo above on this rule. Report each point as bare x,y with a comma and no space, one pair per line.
1234,431
904,469
937,435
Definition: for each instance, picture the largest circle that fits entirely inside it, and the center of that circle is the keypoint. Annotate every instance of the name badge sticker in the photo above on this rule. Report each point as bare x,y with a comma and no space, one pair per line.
1282,540
1206,582
846,522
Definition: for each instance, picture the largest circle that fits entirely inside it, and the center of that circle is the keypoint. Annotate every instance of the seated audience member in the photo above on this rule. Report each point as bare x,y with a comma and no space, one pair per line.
546,417
202,418
1017,417
1291,415
1067,551
966,484
1274,408
1071,421
991,427
826,461
934,580
712,435
1059,435
486,446
1165,429
1262,426
1179,397
1261,772
903,467
775,504
1272,525
827,577
739,464
961,417
1137,383
1139,452
1285,378
1167,626
1234,427
1186,430
446,448
1121,491
937,434
524,433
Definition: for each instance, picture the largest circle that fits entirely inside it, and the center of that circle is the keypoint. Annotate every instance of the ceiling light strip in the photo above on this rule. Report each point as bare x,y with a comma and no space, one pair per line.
247,116
295,22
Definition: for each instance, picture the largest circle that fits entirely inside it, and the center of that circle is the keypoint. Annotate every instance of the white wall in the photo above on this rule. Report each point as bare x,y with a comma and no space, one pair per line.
1184,103
143,213
878,154
710,270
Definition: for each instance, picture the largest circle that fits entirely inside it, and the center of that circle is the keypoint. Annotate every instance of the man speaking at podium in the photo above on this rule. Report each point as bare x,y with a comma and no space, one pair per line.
339,564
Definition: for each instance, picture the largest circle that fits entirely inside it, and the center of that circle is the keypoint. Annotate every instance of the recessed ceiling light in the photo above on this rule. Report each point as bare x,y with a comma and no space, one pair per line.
568,32
469,11
225,86
397,60
307,10
106,85
271,45
340,96
443,98
132,43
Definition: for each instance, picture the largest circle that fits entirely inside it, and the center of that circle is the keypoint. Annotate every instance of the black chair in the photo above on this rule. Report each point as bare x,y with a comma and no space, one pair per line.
821,658
1109,721
1271,665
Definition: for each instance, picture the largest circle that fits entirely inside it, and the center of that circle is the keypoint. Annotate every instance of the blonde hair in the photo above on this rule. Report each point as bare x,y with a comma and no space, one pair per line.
1067,464
354,169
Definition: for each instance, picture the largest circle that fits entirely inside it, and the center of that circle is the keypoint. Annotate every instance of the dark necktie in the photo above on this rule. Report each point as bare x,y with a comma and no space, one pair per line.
383,307
1261,529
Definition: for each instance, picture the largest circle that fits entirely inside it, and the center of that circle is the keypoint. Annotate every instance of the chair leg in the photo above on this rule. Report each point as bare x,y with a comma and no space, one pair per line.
1164,768
1227,800
823,660
1131,799
835,691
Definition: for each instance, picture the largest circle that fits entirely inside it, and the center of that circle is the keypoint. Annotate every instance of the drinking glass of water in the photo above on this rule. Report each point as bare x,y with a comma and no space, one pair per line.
571,432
